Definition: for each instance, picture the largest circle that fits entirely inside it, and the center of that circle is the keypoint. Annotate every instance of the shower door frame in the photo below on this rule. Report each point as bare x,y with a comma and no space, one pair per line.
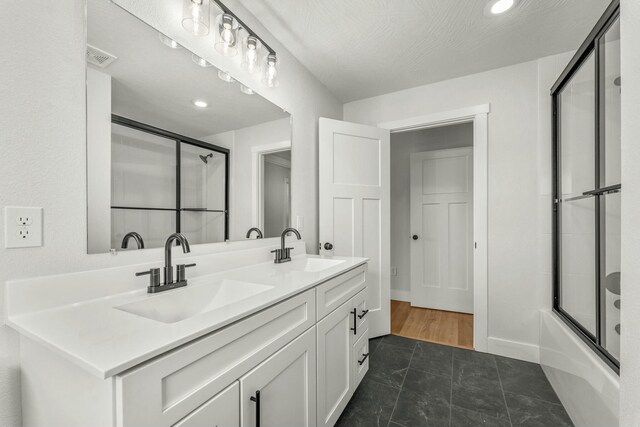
180,139
589,46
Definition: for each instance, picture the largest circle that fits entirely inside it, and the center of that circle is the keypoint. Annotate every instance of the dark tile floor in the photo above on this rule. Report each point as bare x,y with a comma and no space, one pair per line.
415,383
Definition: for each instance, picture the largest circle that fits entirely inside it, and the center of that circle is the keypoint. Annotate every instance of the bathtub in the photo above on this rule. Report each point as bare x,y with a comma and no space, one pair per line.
587,387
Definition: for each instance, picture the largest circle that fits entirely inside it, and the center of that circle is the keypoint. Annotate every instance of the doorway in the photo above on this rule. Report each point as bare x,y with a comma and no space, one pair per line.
355,186
432,234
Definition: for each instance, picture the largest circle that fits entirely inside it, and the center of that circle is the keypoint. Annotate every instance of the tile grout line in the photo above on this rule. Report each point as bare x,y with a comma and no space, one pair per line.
402,385
504,398
451,391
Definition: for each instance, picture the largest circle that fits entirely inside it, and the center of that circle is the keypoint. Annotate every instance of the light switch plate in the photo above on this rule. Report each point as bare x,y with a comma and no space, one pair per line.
22,227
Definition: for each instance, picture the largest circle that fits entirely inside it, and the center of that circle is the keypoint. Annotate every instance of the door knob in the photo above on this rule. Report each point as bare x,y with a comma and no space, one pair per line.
415,237
328,246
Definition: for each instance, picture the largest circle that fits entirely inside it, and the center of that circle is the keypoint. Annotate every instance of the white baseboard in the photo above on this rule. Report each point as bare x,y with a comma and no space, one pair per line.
514,349
400,295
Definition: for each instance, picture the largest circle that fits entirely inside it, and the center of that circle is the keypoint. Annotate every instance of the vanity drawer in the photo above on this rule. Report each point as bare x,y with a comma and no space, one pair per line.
360,360
359,304
223,410
333,293
163,391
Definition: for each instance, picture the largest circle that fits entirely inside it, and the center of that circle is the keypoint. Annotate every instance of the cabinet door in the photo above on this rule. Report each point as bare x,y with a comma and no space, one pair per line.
361,317
223,410
360,360
334,363
286,383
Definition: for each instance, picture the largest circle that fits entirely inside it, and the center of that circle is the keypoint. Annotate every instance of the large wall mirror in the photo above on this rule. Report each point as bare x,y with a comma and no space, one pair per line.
174,144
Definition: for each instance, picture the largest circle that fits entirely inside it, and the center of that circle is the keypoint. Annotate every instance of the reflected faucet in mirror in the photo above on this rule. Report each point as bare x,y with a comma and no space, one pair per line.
132,235
284,254
258,233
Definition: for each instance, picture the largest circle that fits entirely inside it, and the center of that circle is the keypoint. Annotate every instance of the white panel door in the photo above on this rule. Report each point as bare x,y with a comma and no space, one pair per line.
281,391
442,227
355,206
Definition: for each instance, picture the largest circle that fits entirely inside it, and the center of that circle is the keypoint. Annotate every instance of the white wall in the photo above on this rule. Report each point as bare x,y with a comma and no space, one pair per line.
515,294
98,161
403,144
630,337
43,145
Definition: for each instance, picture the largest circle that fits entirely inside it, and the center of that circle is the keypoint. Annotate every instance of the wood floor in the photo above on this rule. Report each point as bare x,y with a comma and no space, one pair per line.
442,327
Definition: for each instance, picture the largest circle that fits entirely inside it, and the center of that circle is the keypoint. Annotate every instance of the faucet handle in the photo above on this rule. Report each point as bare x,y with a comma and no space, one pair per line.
180,268
154,276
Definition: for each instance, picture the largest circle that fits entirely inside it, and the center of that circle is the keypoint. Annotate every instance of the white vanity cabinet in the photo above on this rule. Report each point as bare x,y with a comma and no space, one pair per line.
223,410
342,359
281,391
293,363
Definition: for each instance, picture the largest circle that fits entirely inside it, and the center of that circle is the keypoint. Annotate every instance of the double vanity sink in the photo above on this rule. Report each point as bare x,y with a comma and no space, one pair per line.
213,294
294,333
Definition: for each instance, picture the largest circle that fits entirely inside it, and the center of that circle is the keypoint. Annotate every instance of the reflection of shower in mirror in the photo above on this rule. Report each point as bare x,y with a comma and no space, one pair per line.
205,158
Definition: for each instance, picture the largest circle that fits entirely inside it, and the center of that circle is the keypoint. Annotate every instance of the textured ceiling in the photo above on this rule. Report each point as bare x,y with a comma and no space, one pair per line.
154,84
363,48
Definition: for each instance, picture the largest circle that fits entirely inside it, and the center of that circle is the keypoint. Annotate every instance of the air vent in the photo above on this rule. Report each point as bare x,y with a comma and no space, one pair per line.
99,57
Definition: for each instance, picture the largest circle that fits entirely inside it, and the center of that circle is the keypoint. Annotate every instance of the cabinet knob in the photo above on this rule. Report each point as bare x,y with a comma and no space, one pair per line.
415,237
328,246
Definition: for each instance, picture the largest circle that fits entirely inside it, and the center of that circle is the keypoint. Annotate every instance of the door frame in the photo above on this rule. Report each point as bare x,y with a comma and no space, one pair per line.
478,115
257,178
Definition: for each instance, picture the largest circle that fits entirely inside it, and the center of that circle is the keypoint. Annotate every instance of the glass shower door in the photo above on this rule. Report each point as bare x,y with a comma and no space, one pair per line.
587,191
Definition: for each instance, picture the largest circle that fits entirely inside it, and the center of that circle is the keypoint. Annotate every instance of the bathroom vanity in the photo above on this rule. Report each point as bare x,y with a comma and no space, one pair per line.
253,344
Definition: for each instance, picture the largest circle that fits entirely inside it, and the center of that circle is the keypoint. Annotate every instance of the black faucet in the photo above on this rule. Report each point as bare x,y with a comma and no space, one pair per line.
257,230
154,273
284,254
135,236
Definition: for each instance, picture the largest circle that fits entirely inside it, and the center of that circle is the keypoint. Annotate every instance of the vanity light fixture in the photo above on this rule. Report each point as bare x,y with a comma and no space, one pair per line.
195,16
497,7
270,72
227,27
246,90
200,103
225,77
168,42
200,61
251,47
226,34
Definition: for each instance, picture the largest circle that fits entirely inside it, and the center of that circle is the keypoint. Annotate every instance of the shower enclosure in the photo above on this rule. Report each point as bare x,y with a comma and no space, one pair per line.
163,183
587,190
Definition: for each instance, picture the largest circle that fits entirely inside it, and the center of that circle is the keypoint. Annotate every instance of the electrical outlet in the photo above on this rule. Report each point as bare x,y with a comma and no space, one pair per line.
394,271
24,220
22,227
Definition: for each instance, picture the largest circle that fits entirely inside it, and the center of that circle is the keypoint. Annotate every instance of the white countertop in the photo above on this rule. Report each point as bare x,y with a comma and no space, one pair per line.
106,340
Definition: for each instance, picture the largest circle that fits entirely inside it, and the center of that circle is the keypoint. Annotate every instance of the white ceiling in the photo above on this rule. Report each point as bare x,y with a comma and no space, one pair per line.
155,84
364,48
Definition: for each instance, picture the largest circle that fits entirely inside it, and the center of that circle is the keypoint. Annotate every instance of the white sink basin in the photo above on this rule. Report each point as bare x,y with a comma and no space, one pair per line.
313,265
184,303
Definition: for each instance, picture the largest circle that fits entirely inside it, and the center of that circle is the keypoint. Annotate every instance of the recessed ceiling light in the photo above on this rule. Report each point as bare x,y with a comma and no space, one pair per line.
496,7
200,103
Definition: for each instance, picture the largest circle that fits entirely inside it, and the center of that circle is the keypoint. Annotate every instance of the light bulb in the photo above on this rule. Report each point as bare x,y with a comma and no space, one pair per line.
225,77
251,50
200,61
195,16
246,90
168,42
200,103
270,75
226,36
